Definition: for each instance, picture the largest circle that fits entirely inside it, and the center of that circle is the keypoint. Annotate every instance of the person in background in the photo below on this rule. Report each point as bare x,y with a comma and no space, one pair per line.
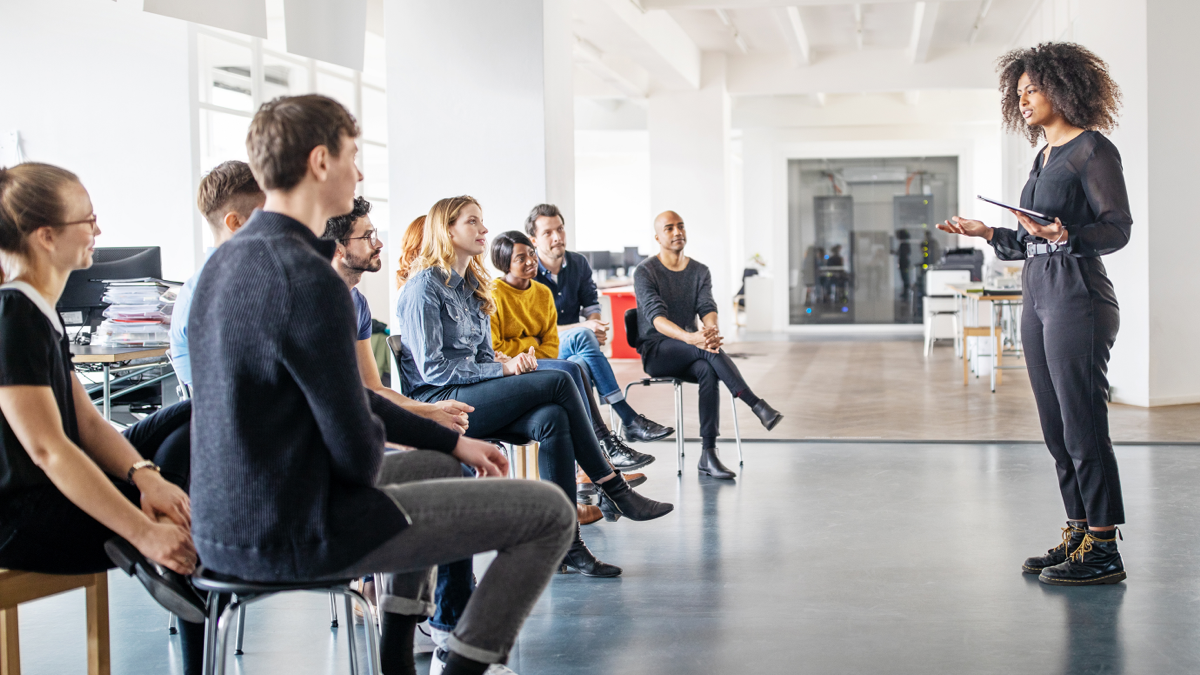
226,198
75,495
569,278
284,431
1062,93
672,291
410,248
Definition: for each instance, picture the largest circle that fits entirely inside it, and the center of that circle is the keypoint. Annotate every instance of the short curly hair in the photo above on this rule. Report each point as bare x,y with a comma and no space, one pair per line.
1074,79
338,228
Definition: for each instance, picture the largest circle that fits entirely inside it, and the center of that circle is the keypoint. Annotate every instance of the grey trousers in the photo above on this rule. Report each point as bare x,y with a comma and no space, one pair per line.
530,524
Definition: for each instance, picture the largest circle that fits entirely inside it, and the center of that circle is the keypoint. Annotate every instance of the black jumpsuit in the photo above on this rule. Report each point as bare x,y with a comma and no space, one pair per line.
1070,316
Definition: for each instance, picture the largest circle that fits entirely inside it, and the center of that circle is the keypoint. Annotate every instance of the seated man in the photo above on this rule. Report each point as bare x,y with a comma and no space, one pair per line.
569,278
672,290
290,481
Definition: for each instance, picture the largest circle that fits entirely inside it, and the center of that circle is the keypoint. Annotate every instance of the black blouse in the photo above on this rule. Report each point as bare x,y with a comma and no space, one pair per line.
33,351
1083,186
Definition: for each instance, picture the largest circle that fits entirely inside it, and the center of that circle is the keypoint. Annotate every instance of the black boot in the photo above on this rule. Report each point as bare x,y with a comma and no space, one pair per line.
766,414
644,430
711,465
618,499
623,457
580,559
171,589
1095,562
1072,536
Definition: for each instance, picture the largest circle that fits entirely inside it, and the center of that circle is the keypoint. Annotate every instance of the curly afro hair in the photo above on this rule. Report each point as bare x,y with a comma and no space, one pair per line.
1075,80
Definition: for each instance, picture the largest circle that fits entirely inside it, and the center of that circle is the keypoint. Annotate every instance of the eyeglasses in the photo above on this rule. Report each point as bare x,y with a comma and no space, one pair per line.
91,220
372,235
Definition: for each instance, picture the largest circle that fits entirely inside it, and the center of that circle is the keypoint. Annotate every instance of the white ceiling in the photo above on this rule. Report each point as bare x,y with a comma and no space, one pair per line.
632,48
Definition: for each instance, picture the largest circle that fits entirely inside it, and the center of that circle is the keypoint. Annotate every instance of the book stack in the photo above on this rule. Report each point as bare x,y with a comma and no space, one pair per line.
138,313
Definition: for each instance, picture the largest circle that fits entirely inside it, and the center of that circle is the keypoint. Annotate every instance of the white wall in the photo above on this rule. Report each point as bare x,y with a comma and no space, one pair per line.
612,192
101,88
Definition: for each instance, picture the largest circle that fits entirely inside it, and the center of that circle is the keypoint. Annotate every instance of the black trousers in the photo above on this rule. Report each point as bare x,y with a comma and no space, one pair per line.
672,358
1068,325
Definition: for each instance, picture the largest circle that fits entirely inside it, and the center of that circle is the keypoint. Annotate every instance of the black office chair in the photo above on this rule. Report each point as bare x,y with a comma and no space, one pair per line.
631,336
243,593
507,442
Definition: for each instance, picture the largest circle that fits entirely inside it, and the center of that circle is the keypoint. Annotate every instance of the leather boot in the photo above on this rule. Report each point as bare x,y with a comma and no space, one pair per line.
587,514
580,559
711,465
618,499
621,456
1096,561
1072,536
643,430
585,489
766,414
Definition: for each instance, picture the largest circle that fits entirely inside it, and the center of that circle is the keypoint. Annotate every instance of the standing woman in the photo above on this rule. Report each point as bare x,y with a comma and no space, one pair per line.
1069,321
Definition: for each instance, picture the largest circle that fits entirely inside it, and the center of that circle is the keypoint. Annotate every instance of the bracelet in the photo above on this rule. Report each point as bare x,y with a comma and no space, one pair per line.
1061,237
143,464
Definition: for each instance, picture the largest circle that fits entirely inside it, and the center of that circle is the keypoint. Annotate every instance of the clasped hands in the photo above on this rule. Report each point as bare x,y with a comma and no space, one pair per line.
707,338
525,362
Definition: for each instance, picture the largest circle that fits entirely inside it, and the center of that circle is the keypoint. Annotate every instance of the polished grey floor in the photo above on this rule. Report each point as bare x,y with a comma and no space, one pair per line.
820,558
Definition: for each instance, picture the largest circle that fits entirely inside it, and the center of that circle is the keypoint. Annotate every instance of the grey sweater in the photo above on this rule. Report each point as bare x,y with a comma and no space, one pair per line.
681,297
285,448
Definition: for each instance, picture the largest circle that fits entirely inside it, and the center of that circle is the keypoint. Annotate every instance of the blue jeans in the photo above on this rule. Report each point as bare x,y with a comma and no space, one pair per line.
583,383
581,346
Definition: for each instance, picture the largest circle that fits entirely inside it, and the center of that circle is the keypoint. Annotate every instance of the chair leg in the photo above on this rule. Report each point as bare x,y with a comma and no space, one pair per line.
617,429
372,628
737,432
97,626
679,428
223,625
171,626
333,619
210,634
241,631
929,335
10,642
535,448
351,647
966,360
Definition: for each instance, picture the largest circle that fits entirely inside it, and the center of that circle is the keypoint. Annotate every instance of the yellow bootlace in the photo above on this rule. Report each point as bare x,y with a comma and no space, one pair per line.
1085,546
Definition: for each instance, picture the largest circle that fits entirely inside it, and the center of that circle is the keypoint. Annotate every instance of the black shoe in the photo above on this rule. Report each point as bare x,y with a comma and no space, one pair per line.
585,493
1072,536
171,589
623,457
643,430
766,414
711,465
618,499
580,559
1095,562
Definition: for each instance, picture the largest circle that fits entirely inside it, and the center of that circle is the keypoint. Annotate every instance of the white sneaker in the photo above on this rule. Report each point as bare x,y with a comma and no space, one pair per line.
437,664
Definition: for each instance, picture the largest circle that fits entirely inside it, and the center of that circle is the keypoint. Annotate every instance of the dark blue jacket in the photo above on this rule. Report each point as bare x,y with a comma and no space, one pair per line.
575,291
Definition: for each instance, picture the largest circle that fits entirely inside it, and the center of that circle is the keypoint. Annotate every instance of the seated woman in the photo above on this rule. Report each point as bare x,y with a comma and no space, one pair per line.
526,319
70,485
444,312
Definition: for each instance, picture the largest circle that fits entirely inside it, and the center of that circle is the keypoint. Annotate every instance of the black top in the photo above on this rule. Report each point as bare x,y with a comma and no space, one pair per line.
679,296
33,351
574,291
1083,186
285,450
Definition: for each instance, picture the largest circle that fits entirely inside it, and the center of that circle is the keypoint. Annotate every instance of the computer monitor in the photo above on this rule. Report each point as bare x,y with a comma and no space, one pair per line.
80,303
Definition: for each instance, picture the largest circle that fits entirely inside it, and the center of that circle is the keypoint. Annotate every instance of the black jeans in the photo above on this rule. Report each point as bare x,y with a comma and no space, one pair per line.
1068,325
668,357
544,406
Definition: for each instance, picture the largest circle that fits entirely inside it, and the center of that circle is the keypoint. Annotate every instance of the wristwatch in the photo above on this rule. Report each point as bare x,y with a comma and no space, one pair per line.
144,464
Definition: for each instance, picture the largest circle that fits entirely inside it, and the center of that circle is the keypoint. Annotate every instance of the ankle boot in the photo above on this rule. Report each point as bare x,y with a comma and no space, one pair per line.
618,499
766,414
1096,561
1072,536
711,465
580,559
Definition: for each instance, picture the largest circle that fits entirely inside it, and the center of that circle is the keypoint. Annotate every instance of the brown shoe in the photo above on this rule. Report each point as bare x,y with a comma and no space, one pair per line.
587,513
581,477
634,479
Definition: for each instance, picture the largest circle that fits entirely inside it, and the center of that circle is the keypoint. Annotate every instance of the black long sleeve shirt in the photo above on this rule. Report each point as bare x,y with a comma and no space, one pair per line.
1084,187
681,296
285,448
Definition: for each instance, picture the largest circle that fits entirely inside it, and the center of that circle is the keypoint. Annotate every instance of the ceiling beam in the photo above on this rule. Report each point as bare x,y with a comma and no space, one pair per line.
858,29
984,8
737,37
924,19
589,57
788,20
752,4
653,40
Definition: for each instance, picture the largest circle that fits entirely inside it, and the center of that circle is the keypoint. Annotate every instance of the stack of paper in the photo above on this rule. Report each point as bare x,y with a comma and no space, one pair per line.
138,314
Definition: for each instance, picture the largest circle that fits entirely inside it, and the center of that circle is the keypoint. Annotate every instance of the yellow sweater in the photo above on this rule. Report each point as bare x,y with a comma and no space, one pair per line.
524,319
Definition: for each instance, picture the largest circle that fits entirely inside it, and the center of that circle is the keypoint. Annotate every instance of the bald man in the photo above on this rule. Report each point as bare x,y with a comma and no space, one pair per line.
673,291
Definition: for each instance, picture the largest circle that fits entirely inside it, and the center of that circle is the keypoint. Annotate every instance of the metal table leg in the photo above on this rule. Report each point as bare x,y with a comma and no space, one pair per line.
107,393
994,338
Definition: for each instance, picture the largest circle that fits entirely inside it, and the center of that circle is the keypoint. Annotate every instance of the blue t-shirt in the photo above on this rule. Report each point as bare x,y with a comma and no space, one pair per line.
180,354
363,310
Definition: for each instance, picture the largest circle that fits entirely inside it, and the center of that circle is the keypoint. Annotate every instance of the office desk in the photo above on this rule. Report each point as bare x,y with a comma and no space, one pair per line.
968,297
106,356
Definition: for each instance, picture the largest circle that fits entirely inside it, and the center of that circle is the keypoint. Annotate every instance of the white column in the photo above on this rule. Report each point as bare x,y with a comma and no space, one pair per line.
479,103
689,174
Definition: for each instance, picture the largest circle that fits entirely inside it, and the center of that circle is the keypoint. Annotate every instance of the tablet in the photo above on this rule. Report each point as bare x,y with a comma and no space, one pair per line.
1039,218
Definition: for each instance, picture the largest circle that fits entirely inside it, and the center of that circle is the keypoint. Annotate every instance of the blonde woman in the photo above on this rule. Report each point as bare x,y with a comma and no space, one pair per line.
445,313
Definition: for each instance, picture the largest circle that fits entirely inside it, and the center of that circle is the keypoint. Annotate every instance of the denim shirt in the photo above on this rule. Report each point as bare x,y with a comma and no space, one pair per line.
574,292
446,338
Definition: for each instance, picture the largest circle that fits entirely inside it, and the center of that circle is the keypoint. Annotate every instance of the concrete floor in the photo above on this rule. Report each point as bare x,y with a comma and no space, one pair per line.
820,558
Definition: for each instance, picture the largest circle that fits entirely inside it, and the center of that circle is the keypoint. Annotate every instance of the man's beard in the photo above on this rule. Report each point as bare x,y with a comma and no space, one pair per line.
369,264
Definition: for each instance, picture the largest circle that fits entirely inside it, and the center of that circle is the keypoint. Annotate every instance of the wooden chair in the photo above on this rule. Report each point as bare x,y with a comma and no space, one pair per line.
981,331
17,587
